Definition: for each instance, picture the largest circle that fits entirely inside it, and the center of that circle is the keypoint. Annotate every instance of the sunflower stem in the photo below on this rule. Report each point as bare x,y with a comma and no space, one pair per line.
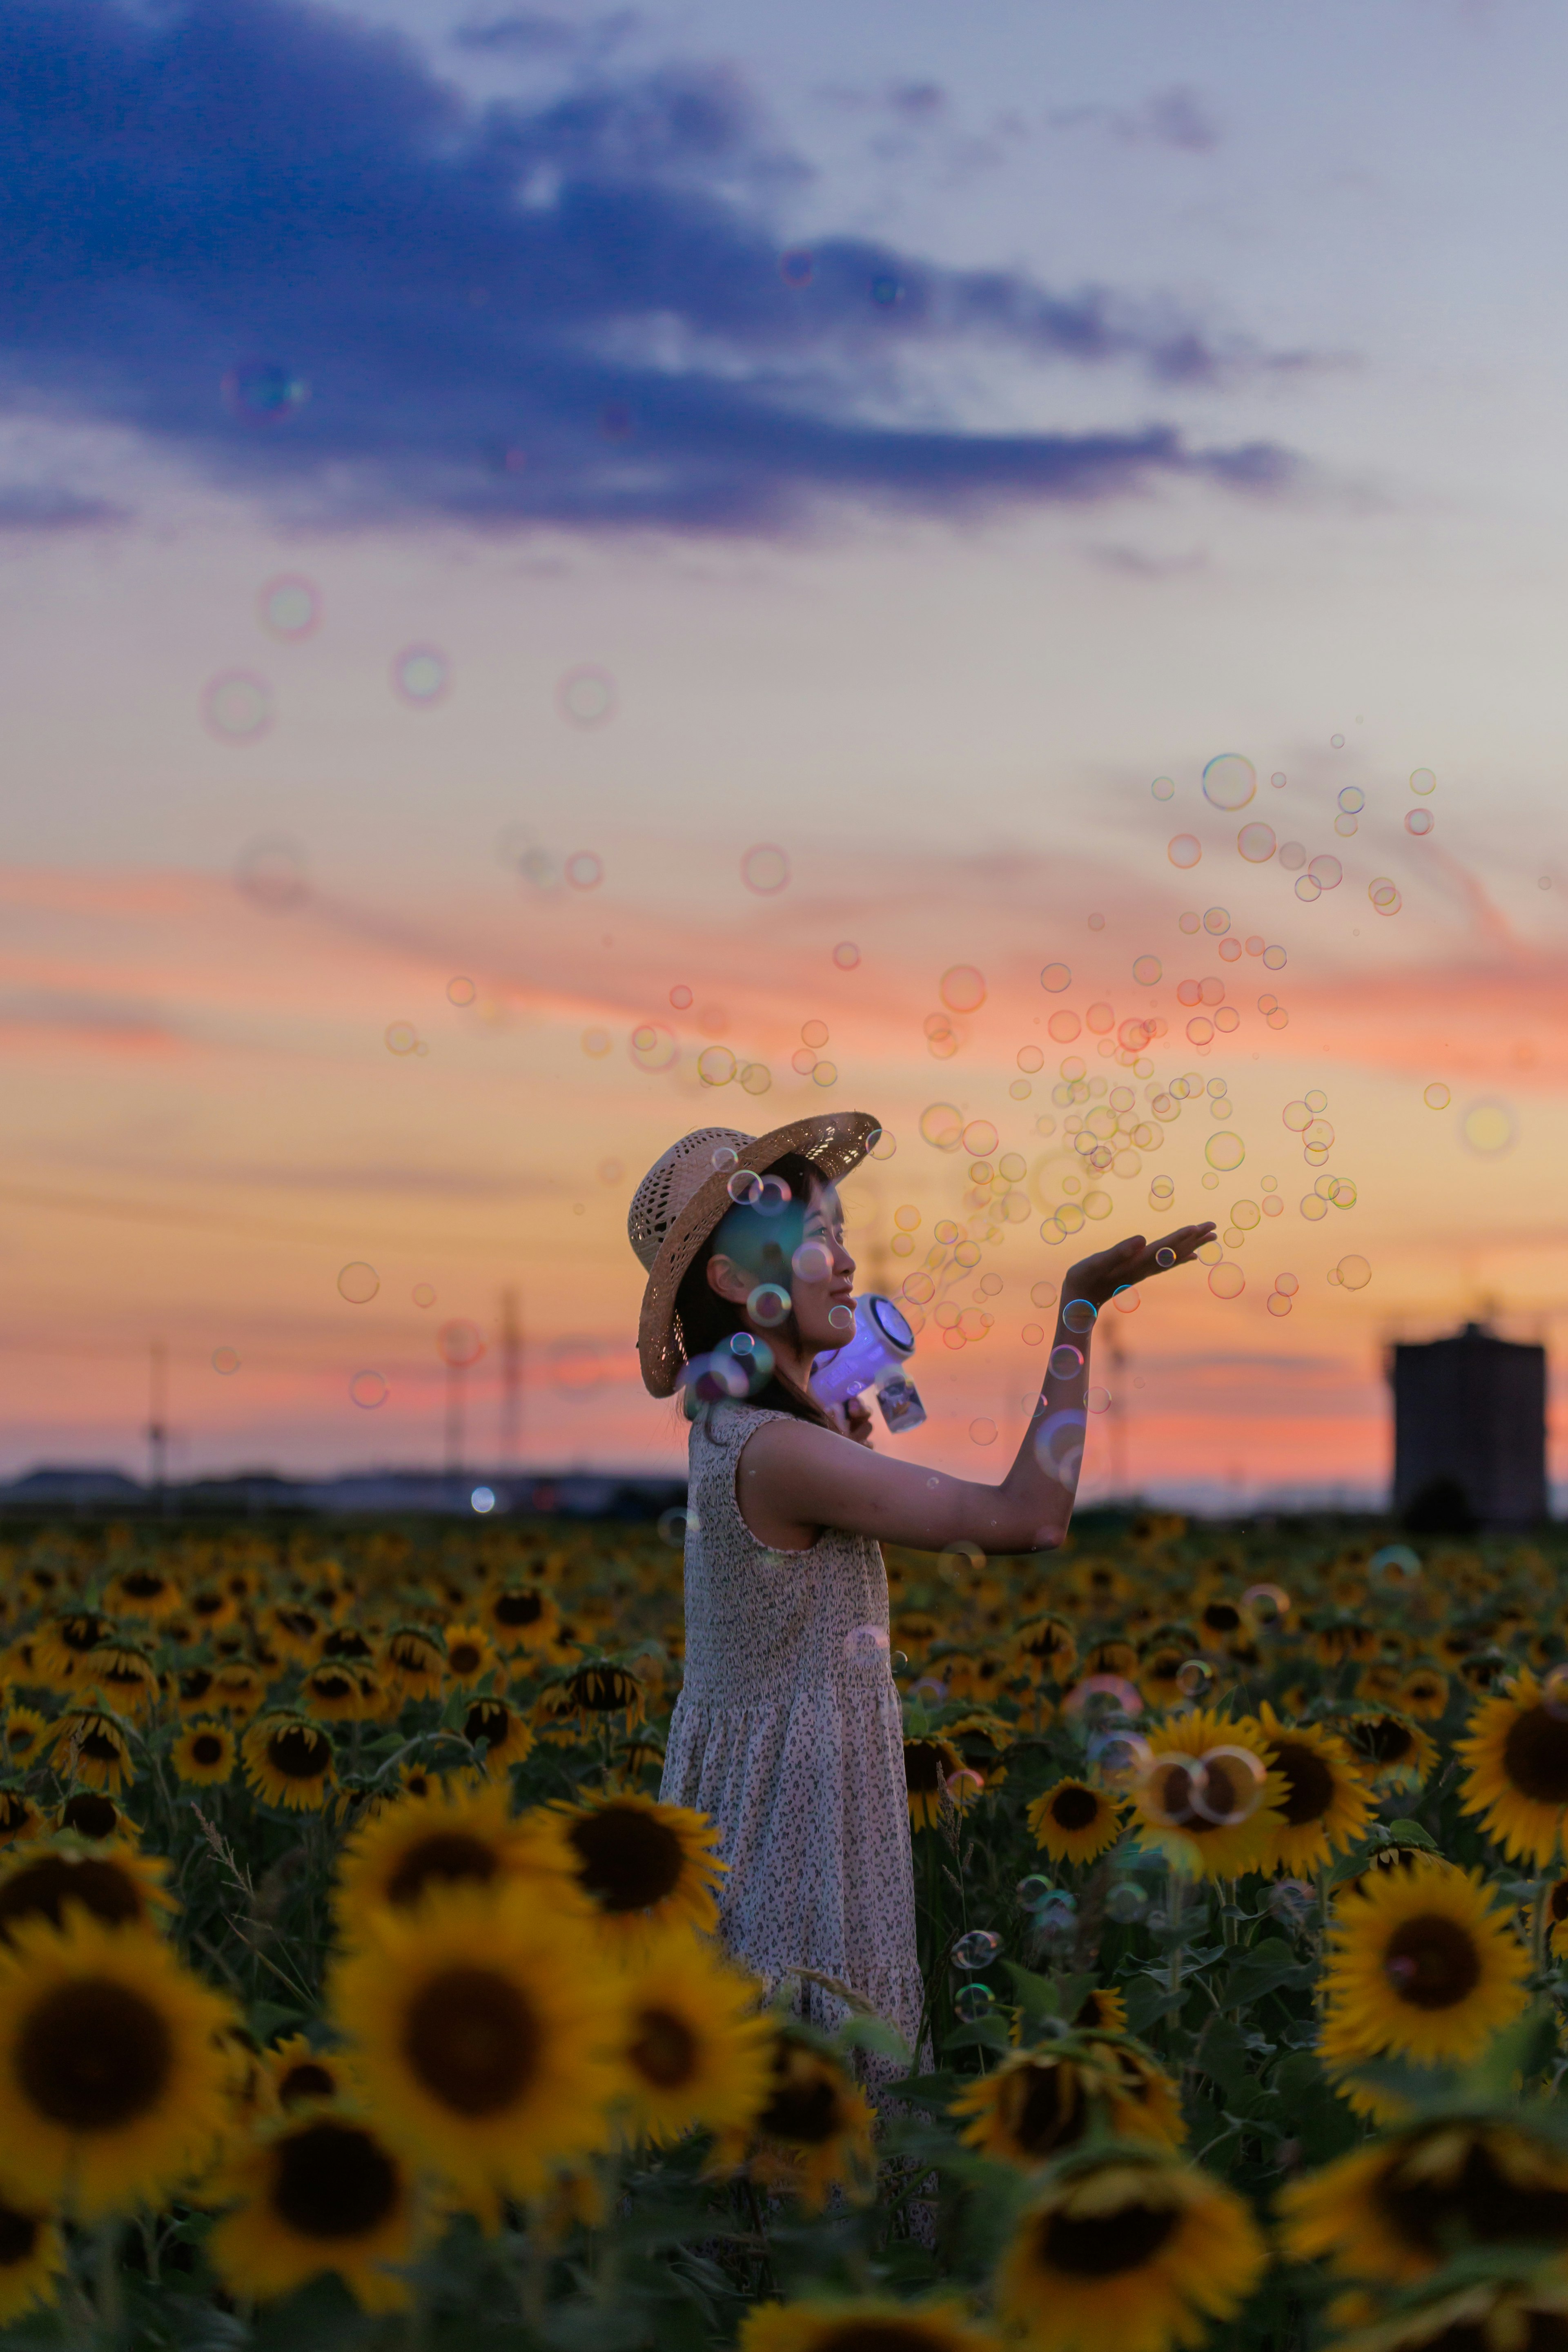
109,2285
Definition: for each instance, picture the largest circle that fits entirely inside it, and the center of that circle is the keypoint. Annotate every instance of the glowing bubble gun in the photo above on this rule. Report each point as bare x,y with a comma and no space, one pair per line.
875,1358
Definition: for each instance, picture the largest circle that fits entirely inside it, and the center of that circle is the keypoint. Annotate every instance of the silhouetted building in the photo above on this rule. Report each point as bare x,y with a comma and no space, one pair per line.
1470,1433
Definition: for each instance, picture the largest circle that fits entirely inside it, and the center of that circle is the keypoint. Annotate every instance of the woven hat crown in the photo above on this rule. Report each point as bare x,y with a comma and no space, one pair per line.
674,1179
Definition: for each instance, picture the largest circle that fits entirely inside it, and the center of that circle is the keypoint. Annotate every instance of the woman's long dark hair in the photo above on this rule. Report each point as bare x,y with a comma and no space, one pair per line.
703,1319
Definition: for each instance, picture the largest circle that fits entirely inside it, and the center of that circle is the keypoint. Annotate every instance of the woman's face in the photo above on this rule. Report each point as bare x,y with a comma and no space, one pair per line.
749,1266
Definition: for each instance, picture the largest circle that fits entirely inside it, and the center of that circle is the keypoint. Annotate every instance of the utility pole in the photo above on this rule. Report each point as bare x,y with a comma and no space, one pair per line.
158,1418
510,1380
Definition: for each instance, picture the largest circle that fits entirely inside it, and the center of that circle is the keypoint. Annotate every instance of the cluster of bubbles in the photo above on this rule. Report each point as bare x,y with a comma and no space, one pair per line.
1280,1297
1351,1273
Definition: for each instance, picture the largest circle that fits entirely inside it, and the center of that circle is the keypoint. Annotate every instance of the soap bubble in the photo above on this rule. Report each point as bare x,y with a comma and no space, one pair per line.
584,871
225,1360
1228,1280
1326,872
979,1138
1194,1678
1184,850
982,1433
359,1283
1269,1603
1396,1561
975,1949
1063,1026
368,1391
424,1293
402,1037
963,989
1277,1303
1308,887
237,707
1227,1787
1164,1791
1489,1128
459,1344
716,1066
1274,959
1055,978
289,607
1384,895
1146,971
1165,1258
586,697
596,1042
769,1304
1336,742
847,955
1229,782
1224,1151
1044,1294
1064,1362
1291,1901
1079,1315
1436,1096
270,873
1256,843
1354,1271
865,1646
1352,800
264,392
1164,788
1126,1902
973,2001
1419,821
1098,1400
420,676
653,1047
1292,854
764,868
1423,781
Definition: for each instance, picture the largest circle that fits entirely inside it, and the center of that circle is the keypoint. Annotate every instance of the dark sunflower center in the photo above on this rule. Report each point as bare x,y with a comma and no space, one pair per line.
465,1657
1386,1740
13,1812
103,1746
83,1633
20,1736
923,1768
38,1889
627,1860
805,2111
18,2236
333,2180
1535,1757
1558,1900
344,1643
664,2050
1432,1962
519,1609
603,1689
90,1816
448,1855
1074,1809
489,1720
297,1753
1093,2013
298,1621
472,2041
197,1683
1482,2201
141,1584
1222,1617
1104,2245
332,1687
306,2079
1309,1783
872,2335
1048,2116
92,2055
207,1748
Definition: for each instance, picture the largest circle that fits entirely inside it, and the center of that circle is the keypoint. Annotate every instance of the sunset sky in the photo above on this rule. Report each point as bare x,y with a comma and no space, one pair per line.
468,475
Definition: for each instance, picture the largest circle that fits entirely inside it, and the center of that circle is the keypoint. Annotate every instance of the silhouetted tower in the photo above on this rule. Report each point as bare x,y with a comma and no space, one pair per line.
1469,1432
158,1417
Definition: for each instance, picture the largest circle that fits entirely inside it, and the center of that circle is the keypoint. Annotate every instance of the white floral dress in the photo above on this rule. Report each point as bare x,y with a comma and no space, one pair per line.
787,1731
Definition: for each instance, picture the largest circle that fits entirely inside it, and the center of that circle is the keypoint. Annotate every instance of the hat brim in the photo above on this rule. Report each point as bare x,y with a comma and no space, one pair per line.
834,1141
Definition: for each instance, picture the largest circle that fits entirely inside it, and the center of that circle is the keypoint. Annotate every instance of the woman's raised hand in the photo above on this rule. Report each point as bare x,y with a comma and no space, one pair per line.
1097,1278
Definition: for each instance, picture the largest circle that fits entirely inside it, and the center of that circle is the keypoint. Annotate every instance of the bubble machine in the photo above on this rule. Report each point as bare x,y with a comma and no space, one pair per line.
875,1358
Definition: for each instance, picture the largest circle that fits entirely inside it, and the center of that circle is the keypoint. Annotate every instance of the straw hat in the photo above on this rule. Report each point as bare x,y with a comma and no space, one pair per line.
687,1191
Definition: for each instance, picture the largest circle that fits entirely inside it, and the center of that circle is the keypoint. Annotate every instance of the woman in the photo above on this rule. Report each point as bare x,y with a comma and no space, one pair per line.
787,1730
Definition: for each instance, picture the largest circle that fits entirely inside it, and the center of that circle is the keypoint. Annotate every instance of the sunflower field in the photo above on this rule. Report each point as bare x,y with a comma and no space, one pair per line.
356,1988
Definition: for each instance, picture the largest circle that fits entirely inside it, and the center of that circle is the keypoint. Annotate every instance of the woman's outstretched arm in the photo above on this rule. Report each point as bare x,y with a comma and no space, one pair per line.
795,1479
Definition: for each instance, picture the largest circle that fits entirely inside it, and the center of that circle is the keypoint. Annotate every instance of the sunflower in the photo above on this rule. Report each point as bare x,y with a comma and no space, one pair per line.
929,1764
1037,2104
470,1655
93,1815
1424,1695
982,1738
60,1645
18,1816
600,1690
334,1692
643,1864
1135,2253
142,1591
1392,1752
90,1746
694,2050
296,1630
1557,1918
322,2192
346,1645
504,1728
239,1690
413,1661
203,1755
1102,2011
110,2083
1425,1966
1401,2207
1495,2317
302,2076
1148,2104
26,1732
124,1678
876,2323
521,1617
1075,1823
448,1838
194,1689
1325,1807
1517,1750
812,2131
246,2078
480,2026
1046,1649
113,1884
33,2259
1173,1803
288,1762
